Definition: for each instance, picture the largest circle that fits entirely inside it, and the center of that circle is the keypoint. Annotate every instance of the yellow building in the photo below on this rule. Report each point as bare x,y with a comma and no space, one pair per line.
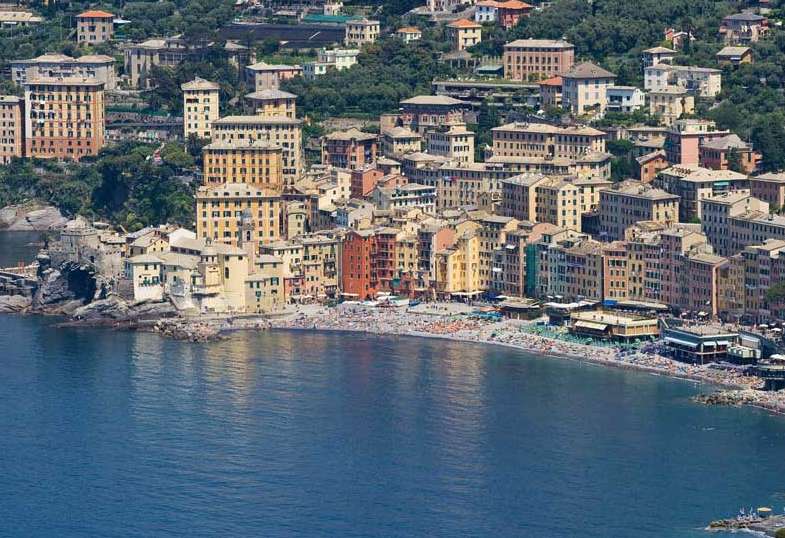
321,253
11,133
457,268
463,34
264,292
64,118
219,283
256,163
272,103
278,130
220,208
359,32
201,107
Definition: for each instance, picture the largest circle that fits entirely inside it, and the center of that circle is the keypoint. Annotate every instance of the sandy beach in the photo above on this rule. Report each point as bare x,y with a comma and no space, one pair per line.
449,321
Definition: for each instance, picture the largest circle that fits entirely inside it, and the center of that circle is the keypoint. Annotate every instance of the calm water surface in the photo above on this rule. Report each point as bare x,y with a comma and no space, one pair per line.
303,434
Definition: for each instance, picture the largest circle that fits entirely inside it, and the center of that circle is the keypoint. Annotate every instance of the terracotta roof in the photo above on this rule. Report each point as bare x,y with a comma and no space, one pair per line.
515,4
95,14
409,30
553,81
464,23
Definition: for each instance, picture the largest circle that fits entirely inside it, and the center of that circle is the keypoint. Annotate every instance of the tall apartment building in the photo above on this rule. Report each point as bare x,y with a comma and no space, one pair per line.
94,27
360,32
273,103
718,215
12,140
545,141
630,202
537,59
220,211
201,104
257,163
762,266
97,66
64,118
350,149
281,131
584,89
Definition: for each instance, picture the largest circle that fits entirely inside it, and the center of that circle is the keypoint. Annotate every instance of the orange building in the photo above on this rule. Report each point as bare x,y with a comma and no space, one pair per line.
358,246
510,12
364,180
64,118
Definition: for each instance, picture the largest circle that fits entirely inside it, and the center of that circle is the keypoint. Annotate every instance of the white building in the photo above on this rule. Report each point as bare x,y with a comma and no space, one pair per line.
703,81
338,59
624,99
144,271
406,196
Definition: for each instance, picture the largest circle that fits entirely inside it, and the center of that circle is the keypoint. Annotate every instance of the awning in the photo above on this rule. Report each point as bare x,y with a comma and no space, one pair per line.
591,325
723,343
349,294
672,340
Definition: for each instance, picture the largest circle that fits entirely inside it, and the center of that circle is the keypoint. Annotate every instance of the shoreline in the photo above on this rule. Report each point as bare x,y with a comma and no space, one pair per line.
544,355
732,389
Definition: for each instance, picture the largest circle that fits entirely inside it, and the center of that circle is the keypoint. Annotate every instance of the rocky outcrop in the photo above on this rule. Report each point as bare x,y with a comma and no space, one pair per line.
190,330
68,282
114,308
31,217
10,304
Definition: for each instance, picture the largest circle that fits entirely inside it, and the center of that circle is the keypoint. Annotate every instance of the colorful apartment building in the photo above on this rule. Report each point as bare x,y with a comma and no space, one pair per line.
64,118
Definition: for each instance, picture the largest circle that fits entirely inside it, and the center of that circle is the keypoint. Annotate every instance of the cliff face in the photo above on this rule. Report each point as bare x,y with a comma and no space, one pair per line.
31,217
66,283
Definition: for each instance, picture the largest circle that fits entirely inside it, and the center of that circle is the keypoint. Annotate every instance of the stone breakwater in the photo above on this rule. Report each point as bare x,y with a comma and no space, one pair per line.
772,401
397,321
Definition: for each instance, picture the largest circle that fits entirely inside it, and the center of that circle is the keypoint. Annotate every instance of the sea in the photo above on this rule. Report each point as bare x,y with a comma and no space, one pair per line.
285,433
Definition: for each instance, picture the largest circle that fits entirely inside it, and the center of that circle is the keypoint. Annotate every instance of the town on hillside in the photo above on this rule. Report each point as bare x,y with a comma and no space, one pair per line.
616,166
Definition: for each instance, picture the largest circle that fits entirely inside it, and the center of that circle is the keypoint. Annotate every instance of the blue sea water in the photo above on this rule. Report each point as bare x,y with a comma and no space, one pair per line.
283,434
